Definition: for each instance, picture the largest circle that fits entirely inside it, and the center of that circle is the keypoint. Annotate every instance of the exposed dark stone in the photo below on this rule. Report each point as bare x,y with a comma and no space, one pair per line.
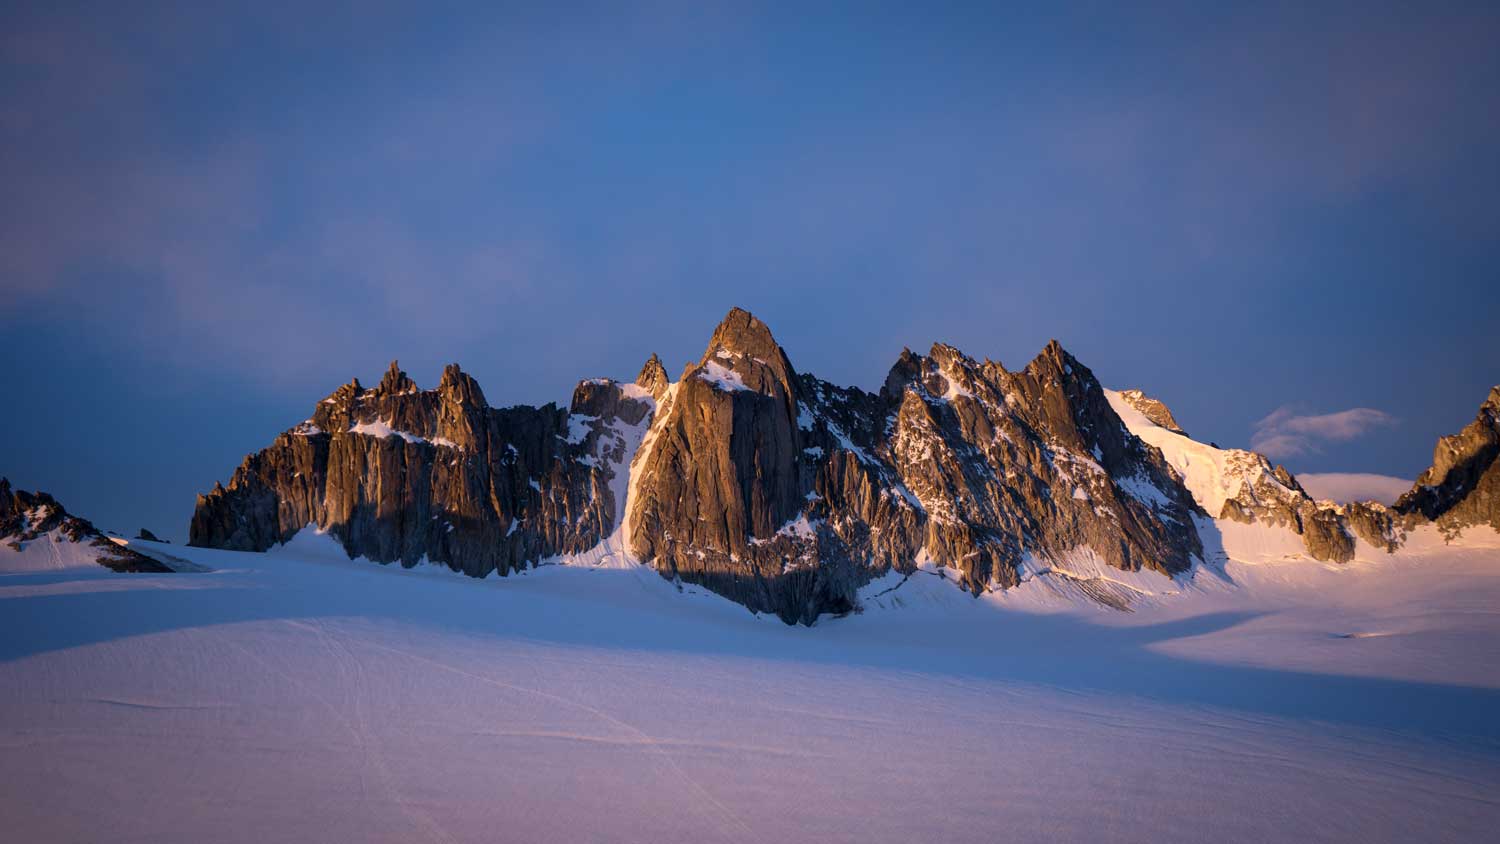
149,536
30,516
1462,487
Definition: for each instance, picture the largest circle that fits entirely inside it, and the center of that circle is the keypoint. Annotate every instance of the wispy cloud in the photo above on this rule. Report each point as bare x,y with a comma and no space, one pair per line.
1286,433
1345,487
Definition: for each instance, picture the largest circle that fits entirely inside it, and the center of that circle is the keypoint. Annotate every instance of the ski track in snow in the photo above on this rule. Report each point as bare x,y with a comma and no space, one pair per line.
300,696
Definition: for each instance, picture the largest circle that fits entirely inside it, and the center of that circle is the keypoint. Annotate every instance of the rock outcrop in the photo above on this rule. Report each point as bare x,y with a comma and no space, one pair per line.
401,474
1153,410
1462,487
36,518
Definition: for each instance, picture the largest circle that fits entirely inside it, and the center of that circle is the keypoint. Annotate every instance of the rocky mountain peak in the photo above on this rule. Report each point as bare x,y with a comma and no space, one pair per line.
907,368
396,381
459,388
741,333
1152,409
1065,394
653,377
744,345
1054,361
1462,487
724,469
32,518
346,393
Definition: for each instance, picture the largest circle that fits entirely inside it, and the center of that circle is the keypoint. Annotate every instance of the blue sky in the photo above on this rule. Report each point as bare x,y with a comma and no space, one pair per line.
1263,215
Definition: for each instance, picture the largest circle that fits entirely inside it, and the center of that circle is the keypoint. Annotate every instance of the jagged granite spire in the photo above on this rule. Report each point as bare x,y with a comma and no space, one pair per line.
395,381
653,377
724,470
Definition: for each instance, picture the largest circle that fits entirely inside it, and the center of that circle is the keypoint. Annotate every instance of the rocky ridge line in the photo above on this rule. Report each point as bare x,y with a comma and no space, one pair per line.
779,490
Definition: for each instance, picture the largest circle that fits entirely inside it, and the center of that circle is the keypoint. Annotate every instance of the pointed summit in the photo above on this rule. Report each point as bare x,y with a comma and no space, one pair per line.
1053,355
457,386
396,381
906,369
653,377
744,344
742,334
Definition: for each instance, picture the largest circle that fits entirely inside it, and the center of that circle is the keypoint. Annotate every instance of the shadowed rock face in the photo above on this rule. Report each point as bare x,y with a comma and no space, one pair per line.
29,516
1462,487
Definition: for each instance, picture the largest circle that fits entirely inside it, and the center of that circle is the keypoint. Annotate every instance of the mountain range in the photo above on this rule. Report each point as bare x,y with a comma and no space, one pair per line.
786,493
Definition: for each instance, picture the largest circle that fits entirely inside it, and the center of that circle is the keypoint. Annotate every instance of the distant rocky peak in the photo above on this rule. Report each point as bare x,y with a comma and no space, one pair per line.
945,373
744,346
740,333
653,377
1462,487
1056,388
1456,451
958,370
30,517
346,393
907,368
458,387
605,398
1056,361
1152,409
396,382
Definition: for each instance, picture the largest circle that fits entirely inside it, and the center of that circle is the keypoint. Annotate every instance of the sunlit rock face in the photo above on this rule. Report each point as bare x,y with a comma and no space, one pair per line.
1153,409
401,474
787,493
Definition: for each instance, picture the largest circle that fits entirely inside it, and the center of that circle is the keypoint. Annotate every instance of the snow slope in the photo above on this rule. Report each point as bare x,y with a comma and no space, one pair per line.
1215,475
1212,475
52,551
298,695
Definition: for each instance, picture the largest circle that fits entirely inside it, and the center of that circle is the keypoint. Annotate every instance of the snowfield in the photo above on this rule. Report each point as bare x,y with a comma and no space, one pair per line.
301,696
